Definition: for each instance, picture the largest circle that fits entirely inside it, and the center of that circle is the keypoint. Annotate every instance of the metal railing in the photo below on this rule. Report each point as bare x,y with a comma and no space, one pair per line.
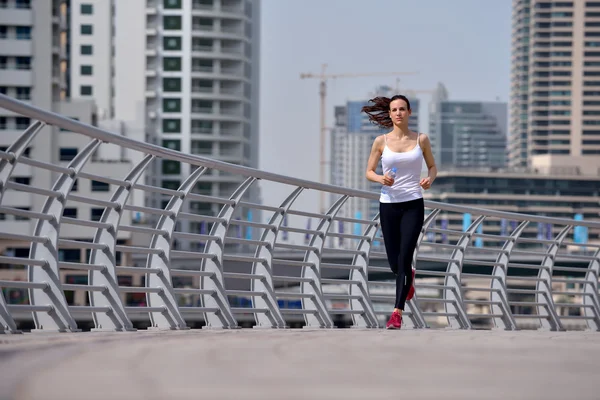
196,258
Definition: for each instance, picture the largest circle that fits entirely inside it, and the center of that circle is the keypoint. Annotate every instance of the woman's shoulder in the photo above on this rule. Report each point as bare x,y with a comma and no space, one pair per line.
379,140
423,138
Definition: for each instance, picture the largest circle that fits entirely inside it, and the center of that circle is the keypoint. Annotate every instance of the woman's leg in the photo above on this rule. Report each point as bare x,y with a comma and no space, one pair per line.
391,218
410,229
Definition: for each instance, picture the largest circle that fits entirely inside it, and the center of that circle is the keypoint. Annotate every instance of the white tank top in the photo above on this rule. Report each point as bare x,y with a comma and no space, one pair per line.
408,166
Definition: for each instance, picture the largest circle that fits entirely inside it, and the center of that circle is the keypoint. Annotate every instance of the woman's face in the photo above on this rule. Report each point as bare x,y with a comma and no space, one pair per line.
399,112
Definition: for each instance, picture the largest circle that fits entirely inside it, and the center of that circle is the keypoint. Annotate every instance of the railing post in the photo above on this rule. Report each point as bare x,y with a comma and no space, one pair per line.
500,292
216,282
454,279
172,318
16,150
367,319
7,323
590,290
273,318
552,320
59,318
316,302
116,319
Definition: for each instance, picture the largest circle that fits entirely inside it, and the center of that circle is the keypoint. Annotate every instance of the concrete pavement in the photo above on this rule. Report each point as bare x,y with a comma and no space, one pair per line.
300,364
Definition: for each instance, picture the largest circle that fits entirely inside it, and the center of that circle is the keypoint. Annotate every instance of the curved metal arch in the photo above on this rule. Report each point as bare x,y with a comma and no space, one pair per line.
551,320
60,318
454,280
321,319
590,290
224,318
172,318
500,292
16,149
368,319
274,318
116,319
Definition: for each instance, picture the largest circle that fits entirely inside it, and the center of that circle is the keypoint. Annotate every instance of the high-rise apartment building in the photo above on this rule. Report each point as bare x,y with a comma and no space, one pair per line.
201,87
35,43
555,90
467,134
183,74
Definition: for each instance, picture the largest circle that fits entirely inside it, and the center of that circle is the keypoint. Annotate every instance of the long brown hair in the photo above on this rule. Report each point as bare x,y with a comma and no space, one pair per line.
379,112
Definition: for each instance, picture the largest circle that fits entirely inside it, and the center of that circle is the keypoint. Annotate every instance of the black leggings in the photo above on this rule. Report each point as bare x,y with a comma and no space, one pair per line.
401,225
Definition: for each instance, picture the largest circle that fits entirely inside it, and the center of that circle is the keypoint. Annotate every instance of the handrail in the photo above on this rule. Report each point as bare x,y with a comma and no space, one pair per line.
196,265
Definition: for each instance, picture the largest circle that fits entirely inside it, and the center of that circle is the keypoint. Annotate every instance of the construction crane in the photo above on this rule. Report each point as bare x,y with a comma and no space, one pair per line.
323,77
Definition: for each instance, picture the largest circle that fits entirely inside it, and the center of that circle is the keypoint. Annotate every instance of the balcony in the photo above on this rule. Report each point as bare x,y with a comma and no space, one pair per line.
202,68
16,17
202,49
16,47
152,7
16,77
202,110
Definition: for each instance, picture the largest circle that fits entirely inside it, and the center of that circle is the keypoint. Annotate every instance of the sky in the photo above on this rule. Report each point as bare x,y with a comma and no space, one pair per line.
464,44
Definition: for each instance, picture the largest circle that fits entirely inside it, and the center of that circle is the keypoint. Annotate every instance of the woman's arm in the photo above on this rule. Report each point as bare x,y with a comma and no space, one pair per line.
429,160
374,158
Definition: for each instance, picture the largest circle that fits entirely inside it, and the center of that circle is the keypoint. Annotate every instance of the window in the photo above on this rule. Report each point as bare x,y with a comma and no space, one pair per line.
172,144
86,29
85,90
172,43
172,4
22,122
96,214
24,63
172,63
203,188
23,3
199,126
23,32
171,184
86,49
170,167
172,84
98,186
70,212
68,153
201,147
87,9
86,70
171,126
21,180
171,105
171,22
23,93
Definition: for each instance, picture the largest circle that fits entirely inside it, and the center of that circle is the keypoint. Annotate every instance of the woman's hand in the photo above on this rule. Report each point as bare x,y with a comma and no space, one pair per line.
425,183
386,180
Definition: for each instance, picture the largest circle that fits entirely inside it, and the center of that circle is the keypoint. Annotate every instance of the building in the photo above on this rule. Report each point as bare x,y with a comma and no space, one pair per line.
467,134
351,141
201,88
38,30
555,86
185,76
560,196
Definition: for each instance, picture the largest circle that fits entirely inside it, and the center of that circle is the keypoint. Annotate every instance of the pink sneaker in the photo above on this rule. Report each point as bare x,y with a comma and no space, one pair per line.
395,321
411,291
